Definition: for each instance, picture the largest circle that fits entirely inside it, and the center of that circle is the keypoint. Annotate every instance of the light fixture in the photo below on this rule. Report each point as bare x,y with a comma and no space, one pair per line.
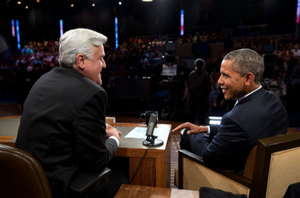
120,2
38,1
19,2
26,7
147,0
93,5
72,5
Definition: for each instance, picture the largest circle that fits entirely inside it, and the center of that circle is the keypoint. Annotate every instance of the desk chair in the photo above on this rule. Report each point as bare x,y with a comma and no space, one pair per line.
23,176
276,166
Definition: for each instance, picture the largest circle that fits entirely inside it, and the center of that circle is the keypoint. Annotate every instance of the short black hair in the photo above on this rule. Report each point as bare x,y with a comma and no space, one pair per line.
199,62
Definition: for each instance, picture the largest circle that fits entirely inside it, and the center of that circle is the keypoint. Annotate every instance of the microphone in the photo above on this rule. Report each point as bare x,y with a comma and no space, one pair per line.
151,139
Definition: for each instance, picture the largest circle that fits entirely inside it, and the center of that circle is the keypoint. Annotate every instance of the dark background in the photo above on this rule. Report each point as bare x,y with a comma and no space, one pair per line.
137,18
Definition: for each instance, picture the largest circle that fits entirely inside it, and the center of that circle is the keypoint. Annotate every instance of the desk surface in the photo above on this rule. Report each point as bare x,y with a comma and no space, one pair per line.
127,142
154,192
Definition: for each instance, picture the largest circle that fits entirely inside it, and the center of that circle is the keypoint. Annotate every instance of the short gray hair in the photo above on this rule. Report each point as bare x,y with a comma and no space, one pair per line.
78,41
247,60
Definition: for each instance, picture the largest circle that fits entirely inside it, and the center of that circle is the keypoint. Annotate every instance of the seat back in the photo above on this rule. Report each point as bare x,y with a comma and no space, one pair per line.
277,165
21,175
193,174
248,171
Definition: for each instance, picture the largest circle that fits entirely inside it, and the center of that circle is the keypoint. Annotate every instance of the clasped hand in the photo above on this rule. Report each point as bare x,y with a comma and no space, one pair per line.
112,131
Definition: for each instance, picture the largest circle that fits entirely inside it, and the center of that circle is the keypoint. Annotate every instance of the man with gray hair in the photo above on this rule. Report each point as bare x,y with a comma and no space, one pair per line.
63,123
257,114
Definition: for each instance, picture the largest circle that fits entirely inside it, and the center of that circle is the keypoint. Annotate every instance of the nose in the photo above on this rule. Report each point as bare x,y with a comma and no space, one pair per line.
220,80
103,63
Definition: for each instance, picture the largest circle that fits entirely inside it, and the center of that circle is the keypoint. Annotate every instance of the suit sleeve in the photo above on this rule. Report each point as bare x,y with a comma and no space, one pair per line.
93,151
228,146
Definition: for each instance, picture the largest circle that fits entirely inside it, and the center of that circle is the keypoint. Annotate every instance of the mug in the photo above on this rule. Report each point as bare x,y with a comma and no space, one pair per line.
146,116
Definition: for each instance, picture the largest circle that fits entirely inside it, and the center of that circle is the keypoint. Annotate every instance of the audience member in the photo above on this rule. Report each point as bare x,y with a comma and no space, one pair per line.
199,88
204,37
228,145
196,37
296,51
282,44
278,86
213,95
294,86
63,122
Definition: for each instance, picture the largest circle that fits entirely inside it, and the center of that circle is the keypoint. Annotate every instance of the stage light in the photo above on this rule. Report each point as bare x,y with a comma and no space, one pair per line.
298,13
116,33
13,28
26,7
147,0
72,5
93,5
61,27
18,34
19,2
181,22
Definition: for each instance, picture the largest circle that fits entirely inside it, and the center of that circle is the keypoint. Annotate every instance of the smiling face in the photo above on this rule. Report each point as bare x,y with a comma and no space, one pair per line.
91,68
233,85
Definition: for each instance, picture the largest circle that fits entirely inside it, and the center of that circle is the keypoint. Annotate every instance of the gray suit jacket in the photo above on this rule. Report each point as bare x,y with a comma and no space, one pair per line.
63,126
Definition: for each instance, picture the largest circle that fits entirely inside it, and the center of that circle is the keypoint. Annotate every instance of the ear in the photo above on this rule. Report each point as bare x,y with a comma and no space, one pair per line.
249,78
80,61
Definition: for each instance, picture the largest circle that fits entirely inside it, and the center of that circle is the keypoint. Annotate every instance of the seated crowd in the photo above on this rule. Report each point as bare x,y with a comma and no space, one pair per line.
137,57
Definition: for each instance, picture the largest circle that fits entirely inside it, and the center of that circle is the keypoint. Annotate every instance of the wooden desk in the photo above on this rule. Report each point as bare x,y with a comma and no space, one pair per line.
155,167
154,192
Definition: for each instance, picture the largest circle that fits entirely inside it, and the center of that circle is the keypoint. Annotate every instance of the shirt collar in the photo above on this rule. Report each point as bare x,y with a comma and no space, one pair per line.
241,98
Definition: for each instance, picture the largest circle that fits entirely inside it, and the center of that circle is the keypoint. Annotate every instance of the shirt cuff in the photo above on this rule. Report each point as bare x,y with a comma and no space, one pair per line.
208,131
116,139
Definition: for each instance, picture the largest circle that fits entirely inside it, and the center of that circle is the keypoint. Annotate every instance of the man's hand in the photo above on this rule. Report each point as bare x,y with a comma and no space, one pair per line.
194,129
112,131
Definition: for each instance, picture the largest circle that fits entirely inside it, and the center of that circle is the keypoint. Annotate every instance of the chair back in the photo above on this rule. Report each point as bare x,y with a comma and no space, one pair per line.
21,175
248,171
277,165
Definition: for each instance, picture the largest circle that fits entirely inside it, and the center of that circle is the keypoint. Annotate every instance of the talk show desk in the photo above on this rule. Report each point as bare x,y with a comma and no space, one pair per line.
154,192
154,169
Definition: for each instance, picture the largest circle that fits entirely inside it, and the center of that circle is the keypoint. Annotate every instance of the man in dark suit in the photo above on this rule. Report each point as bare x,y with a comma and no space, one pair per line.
257,114
63,123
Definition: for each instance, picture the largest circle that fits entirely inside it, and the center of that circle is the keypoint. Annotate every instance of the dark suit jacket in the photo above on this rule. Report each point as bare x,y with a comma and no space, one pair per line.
257,116
63,126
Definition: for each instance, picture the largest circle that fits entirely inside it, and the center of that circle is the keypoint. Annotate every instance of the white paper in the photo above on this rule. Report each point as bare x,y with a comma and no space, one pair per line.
140,132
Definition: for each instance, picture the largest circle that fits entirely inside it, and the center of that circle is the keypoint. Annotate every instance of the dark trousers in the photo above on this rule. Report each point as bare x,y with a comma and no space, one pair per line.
194,143
109,186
